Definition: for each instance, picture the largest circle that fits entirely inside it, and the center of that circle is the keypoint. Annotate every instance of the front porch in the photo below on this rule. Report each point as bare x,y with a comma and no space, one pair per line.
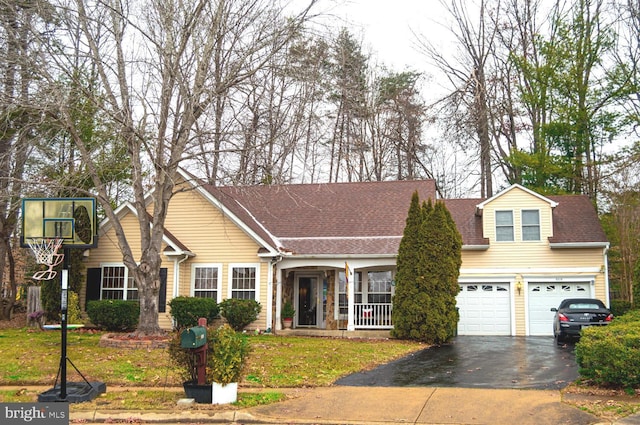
332,301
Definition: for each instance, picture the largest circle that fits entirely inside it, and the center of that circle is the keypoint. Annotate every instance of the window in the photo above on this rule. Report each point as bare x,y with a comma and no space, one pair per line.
379,287
244,281
342,294
343,302
116,284
530,225
206,280
504,226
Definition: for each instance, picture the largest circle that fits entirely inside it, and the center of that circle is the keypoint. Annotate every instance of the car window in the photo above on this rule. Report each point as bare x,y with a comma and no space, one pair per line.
577,306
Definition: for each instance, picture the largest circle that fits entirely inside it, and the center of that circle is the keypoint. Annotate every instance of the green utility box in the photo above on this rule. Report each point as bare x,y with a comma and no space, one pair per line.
194,337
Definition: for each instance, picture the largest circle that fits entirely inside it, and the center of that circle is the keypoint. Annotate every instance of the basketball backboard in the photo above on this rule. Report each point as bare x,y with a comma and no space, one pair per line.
73,220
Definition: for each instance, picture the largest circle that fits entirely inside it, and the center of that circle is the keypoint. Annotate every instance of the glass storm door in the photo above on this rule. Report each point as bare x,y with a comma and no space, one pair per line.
307,301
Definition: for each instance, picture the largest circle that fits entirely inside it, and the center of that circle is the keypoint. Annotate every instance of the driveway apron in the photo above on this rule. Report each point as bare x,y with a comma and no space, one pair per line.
478,362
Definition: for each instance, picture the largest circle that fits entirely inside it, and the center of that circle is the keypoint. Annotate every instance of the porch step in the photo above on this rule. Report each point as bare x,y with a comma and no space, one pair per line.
364,334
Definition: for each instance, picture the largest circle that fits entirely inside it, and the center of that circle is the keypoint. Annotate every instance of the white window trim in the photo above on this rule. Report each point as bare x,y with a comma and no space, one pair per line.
365,285
522,225
239,265
126,280
192,284
513,225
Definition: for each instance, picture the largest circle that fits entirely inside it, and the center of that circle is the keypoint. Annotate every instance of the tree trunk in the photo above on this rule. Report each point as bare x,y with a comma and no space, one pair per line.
34,307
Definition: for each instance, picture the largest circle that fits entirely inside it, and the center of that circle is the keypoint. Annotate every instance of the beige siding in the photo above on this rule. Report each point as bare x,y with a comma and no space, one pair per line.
520,311
516,200
526,255
108,252
207,233
215,239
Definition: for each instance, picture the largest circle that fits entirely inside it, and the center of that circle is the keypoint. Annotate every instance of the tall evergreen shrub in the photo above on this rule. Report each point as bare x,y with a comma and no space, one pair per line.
428,267
404,316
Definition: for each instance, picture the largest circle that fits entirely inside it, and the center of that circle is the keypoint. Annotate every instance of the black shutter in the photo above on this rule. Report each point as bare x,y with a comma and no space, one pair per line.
94,277
162,296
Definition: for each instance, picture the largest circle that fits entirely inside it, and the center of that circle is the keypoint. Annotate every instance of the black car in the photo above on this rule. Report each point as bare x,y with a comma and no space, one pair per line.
577,313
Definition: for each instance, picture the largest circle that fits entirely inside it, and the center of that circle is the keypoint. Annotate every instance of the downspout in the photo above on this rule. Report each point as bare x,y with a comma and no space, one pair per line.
274,269
605,267
176,275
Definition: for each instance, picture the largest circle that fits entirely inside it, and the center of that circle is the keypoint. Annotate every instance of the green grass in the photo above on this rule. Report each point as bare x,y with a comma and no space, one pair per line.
32,358
142,399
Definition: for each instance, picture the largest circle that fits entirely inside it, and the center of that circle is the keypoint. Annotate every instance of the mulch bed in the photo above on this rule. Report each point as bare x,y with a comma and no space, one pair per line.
133,341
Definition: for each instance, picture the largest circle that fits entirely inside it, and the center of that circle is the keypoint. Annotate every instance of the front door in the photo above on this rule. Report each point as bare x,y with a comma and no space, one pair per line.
308,301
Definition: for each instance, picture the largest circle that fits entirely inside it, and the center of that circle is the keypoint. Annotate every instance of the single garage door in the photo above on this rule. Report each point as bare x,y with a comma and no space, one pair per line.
485,309
545,295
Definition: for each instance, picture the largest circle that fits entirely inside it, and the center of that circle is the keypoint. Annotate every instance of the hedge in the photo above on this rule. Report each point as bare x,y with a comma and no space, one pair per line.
240,312
114,315
186,311
608,355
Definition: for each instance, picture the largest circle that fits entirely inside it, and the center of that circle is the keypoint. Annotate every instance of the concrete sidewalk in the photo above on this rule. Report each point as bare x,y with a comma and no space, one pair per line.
381,405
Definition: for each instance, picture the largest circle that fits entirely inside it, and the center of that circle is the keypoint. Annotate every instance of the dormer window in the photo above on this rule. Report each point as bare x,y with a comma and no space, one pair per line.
504,226
530,225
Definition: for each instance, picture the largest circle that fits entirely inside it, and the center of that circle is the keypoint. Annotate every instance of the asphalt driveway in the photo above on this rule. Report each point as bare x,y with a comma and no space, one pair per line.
478,362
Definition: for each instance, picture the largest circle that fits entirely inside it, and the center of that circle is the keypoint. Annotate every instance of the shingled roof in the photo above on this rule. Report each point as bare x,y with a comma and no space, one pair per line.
368,218
329,218
575,221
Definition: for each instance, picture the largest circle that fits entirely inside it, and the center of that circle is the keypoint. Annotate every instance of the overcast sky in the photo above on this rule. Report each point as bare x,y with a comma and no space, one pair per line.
385,27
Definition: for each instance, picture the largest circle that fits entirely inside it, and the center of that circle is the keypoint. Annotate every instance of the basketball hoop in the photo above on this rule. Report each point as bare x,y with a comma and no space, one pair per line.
46,252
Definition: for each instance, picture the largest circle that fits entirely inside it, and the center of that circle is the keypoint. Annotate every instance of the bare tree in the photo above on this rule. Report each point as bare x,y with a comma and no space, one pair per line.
468,105
164,70
18,123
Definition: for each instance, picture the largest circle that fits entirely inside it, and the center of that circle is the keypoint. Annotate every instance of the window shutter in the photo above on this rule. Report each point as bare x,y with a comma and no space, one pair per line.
94,276
162,296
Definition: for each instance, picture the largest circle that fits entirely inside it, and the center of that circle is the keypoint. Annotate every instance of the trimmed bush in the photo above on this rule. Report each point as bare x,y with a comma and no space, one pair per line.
186,311
114,315
228,355
240,313
608,355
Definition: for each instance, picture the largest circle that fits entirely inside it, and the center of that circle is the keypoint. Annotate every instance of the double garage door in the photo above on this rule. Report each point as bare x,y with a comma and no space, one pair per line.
485,309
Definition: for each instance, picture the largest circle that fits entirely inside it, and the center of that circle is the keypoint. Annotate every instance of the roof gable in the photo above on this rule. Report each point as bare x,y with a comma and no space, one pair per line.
515,186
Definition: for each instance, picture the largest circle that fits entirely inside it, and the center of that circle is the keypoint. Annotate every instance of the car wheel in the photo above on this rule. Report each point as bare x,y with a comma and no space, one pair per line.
558,338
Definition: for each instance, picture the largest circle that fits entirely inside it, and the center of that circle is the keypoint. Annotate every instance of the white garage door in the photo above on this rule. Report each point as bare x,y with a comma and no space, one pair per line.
485,309
545,295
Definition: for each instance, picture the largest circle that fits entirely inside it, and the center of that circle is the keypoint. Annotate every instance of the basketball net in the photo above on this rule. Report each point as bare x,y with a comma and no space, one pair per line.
46,252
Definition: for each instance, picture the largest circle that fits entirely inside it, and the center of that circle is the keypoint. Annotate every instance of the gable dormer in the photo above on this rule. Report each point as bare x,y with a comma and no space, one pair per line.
517,215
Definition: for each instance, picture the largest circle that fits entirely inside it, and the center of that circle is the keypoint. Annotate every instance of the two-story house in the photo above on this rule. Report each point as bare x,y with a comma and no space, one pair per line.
331,249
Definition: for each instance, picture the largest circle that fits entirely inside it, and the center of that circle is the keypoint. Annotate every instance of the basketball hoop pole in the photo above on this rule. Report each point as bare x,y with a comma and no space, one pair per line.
64,283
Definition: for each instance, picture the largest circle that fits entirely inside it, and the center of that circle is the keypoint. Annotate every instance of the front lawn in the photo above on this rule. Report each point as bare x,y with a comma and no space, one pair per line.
31,357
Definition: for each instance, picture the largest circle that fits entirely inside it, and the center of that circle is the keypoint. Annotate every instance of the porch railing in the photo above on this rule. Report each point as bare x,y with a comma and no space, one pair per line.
373,316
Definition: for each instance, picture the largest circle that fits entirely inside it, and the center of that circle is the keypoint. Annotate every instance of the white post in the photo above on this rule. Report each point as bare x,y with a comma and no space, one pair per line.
270,294
350,297
278,324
